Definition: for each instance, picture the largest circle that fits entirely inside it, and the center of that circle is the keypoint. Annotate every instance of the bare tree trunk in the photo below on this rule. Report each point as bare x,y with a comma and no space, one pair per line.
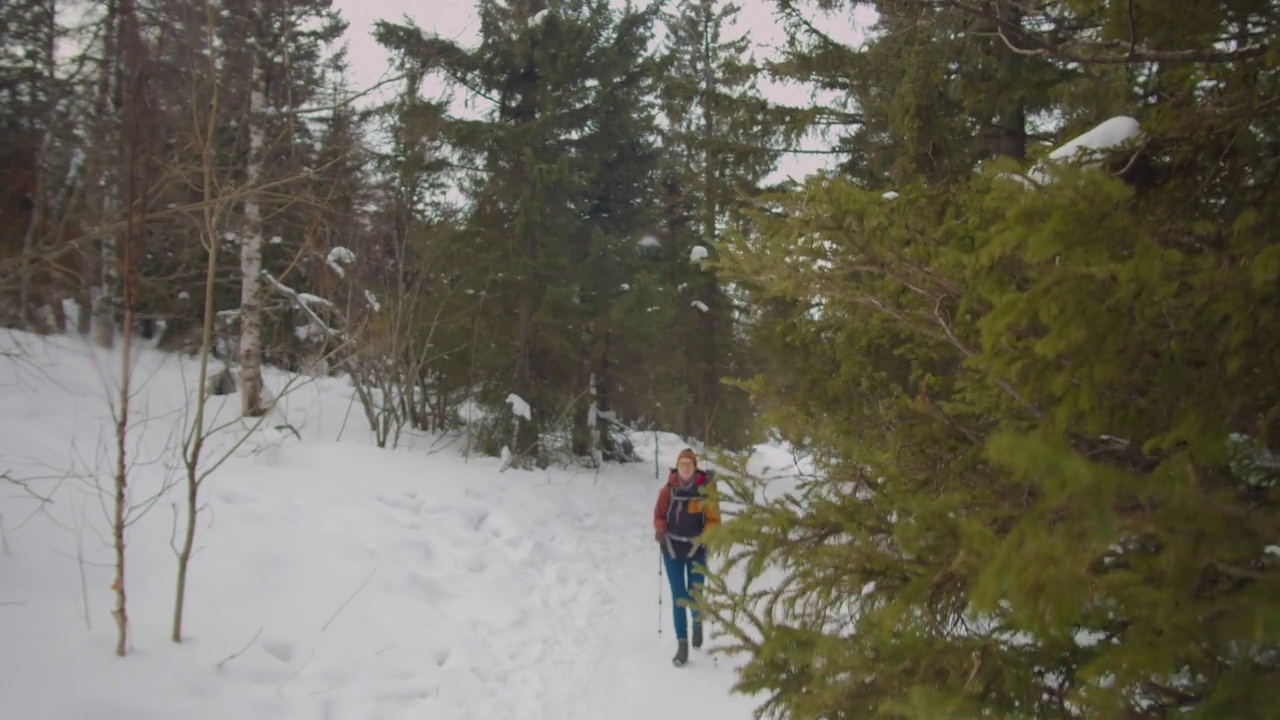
195,446
35,227
526,372
1012,120
108,103
84,322
104,305
593,416
40,199
137,180
119,613
251,289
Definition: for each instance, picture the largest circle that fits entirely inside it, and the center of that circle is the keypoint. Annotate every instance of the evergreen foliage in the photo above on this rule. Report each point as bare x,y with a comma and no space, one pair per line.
1042,413
563,158
719,141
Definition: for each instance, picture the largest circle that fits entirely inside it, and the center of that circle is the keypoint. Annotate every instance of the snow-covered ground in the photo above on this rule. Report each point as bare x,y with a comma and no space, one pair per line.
331,579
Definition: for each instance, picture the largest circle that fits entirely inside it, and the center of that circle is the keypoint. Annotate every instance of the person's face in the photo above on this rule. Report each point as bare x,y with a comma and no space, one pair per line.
684,466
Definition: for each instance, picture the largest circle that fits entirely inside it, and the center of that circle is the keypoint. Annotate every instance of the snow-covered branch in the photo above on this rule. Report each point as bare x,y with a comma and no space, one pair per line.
304,302
338,256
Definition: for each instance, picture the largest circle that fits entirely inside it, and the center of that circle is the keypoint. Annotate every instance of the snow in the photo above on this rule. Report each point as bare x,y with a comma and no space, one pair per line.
624,287
891,195
538,17
700,305
75,165
372,299
697,254
309,299
649,241
331,578
1106,135
337,256
519,406
1085,148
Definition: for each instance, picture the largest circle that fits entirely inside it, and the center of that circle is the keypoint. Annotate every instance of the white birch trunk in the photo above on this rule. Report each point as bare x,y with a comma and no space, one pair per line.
593,413
251,287
104,323
104,315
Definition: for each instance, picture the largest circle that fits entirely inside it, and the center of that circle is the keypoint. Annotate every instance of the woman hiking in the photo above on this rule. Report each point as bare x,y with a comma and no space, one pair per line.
686,509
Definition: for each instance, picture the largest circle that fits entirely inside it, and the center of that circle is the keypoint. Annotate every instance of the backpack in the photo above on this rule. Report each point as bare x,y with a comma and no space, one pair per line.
685,519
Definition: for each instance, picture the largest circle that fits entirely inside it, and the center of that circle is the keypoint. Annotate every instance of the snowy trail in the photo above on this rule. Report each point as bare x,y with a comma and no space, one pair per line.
331,579
631,676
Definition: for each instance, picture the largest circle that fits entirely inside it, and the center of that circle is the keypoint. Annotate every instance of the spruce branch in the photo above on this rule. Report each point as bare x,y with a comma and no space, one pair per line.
1096,52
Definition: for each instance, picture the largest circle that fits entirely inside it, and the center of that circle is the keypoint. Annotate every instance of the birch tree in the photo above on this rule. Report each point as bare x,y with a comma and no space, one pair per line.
251,239
107,102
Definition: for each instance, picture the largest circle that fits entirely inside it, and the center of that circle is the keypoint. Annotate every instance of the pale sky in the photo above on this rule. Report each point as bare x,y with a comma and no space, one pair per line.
456,19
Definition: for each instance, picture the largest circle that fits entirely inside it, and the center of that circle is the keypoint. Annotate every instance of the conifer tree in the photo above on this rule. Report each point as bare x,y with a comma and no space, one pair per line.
561,85
932,88
1040,403
720,143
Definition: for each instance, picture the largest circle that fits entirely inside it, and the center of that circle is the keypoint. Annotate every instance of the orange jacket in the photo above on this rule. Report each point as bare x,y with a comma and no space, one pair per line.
708,506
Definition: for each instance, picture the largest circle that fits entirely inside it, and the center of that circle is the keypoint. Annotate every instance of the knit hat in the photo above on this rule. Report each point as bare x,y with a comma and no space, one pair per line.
687,453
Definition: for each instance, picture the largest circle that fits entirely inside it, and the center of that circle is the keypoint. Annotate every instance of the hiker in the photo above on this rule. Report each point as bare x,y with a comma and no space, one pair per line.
686,509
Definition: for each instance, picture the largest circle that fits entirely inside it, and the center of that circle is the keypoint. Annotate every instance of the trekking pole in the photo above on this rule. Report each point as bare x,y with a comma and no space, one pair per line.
659,596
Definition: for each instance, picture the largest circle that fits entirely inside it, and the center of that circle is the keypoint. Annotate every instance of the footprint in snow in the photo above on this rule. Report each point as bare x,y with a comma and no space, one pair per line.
475,516
409,502
281,650
429,587
231,497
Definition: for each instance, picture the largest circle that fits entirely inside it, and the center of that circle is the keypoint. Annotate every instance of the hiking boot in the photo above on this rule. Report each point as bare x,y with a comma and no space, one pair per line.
682,653
697,635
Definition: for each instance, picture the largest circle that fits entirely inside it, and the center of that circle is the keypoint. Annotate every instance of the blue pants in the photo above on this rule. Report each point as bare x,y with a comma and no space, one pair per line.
683,578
